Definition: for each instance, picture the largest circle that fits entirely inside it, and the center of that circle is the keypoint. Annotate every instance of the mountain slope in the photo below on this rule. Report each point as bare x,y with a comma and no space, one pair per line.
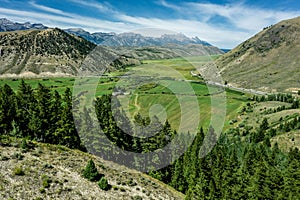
167,51
55,172
7,25
53,52
268,61
42,51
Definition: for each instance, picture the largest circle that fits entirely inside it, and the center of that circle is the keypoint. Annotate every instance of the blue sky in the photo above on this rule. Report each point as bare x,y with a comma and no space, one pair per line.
224,23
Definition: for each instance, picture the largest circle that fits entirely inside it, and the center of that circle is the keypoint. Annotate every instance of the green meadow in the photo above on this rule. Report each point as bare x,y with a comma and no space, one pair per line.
168,78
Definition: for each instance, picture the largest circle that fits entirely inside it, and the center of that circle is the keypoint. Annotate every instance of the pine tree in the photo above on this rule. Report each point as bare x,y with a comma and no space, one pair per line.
178,181
26,106
91,173
42,115
55,116
103,184
260,184
7,109
67,131
291,188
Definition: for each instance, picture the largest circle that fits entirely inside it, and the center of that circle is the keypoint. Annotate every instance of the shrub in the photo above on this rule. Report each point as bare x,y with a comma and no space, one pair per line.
24,145
91,173
42,190
19,171
103,184
46,181
17,156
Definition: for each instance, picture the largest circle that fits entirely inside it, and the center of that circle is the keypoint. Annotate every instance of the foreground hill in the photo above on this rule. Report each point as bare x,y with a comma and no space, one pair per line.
55,172
268,61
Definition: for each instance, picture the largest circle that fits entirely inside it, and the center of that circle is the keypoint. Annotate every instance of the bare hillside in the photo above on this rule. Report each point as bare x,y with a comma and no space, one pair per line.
269,61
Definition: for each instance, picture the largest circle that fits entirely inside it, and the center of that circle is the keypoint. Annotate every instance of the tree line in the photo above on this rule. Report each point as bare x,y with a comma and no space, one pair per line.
41,114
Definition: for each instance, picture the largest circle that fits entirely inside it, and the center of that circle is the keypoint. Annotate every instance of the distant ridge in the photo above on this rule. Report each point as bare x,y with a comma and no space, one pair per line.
109,39
130,39
96,38
7,25
134,39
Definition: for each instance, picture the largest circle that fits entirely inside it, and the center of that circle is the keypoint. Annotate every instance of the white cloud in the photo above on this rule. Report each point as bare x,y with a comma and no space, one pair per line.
45,8
241,16
101,7
168,5
68,20
213,34
241,21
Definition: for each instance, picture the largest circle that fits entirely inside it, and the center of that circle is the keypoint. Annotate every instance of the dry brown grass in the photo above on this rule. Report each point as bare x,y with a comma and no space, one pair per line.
54,172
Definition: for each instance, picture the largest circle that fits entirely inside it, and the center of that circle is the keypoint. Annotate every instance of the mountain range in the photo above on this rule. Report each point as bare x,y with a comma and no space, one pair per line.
134,39
7,25
109,39
30,50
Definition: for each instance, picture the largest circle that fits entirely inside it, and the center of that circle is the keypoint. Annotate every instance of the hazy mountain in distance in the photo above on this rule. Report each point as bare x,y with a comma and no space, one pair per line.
7,25
134,39
268,61
109,39
96,38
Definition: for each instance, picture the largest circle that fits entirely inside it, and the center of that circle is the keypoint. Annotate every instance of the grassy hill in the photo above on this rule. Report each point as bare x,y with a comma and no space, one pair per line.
50,51
55,172
167,51
268,61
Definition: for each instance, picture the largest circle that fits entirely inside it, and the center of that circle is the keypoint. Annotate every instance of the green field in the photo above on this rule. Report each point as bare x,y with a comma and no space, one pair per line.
174,74
152,88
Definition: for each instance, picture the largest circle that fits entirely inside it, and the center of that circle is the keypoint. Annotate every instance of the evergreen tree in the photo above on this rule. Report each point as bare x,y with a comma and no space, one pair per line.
292,176
67,131
7,109
41,122
26,106
103,184
178,180
91,173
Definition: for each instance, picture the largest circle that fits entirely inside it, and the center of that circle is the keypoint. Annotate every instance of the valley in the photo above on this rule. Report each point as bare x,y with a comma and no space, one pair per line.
141,117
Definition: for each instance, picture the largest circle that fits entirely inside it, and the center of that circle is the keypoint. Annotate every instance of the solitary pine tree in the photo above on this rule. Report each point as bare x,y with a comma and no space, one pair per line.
103,184
91,173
